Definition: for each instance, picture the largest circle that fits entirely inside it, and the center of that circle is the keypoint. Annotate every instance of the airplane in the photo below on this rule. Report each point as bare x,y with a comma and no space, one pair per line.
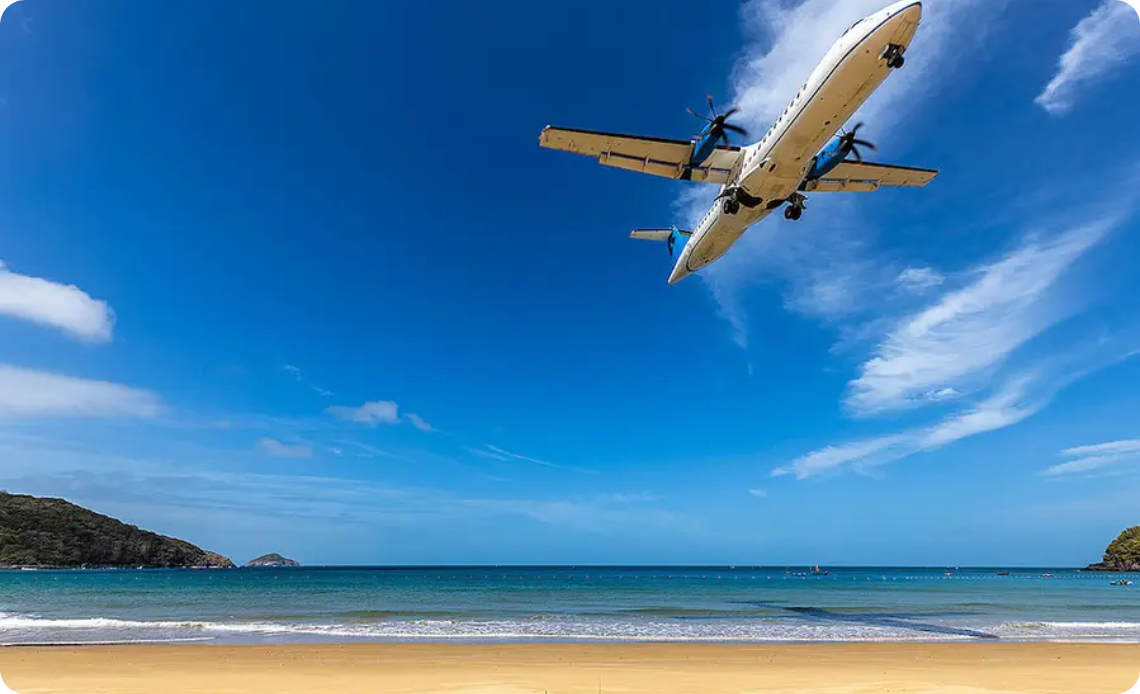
805,150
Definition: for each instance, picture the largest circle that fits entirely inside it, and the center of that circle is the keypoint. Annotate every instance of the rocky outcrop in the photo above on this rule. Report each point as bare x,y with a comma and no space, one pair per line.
1123,554
56,533
272,559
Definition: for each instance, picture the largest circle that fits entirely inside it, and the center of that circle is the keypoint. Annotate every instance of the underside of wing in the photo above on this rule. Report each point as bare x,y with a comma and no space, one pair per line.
866,177
651,155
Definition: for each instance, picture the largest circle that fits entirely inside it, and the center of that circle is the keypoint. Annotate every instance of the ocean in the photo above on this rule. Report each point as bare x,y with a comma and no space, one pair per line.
564,604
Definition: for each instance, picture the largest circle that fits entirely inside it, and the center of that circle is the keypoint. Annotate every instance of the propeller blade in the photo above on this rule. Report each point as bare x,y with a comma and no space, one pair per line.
865,144
856,128
711,107
724,137
858,157
729,112
736,129
694,113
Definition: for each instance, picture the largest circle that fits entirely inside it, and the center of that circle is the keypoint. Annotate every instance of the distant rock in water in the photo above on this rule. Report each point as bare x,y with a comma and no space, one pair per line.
56,533
1123,554
272,559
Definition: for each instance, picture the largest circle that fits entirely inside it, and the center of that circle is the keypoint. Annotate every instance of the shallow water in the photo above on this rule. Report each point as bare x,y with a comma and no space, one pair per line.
565,604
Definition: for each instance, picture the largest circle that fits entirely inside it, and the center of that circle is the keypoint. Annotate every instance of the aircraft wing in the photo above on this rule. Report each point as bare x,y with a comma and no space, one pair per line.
651,155
867,177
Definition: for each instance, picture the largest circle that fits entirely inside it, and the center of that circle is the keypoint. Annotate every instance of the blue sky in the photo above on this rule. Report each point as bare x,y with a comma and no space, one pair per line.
303,281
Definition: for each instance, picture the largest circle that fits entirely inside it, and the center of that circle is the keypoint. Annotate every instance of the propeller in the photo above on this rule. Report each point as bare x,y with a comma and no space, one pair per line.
719,127
848,140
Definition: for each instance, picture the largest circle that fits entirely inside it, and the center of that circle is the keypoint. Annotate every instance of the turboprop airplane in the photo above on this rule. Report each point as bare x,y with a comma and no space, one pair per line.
805,150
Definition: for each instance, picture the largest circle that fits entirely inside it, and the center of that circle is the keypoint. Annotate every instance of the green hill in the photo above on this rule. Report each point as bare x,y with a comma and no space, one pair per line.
1123,554
56,533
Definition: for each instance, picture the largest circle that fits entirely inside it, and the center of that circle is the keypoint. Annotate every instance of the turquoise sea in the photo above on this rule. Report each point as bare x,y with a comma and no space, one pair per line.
747,604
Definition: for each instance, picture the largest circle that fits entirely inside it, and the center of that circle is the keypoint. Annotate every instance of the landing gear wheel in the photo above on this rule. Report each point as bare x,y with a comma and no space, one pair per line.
896,62
730,206
793,213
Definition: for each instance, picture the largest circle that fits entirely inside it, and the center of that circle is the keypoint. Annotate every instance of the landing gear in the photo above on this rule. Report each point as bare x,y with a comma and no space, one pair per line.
893,54
734,197
795,208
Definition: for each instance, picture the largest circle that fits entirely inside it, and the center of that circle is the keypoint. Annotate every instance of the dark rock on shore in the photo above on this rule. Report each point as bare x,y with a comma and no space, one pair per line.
53,533
1123,554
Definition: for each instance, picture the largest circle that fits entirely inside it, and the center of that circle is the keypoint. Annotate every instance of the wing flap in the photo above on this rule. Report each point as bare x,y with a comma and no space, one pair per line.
651,155
856,177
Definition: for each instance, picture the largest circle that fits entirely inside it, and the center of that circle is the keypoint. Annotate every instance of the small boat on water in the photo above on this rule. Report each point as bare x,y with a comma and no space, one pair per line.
816,572
1121,582
1003,573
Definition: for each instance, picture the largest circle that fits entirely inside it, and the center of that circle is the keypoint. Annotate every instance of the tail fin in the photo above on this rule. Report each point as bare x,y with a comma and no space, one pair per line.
671,236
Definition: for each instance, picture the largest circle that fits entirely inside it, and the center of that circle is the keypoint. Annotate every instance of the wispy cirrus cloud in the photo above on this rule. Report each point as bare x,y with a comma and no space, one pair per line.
917,280
1101,456
300,377
1019,398
277,449
418,422
1098,45
495,453
61,306
967,331
371,413
28,393
1015,399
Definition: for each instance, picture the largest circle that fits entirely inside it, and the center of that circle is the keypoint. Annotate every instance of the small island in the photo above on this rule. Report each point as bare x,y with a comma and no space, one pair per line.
1123,554
54,533
272,560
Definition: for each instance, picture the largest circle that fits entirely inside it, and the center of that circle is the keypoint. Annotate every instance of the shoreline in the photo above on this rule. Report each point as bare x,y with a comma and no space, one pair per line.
967,668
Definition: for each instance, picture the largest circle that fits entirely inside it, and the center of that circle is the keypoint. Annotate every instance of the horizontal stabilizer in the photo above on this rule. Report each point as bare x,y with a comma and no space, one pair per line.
657,234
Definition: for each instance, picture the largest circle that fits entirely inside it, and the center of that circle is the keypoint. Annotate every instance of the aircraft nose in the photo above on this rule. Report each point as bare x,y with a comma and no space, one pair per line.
905,7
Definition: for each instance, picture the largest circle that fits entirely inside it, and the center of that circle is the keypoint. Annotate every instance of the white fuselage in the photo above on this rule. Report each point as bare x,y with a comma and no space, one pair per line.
773,168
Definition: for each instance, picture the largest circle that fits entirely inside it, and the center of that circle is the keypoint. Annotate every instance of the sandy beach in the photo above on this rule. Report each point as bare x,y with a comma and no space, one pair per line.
574,669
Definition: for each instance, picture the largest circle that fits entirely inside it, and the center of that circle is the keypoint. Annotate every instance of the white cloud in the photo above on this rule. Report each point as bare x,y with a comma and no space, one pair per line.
376,412
1100,43
760,493
1008,406
27,393
917,280
496,453
418,422
1017,399
277,449
1113,447
61,306
499,453
1101,455
833,457
973,329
